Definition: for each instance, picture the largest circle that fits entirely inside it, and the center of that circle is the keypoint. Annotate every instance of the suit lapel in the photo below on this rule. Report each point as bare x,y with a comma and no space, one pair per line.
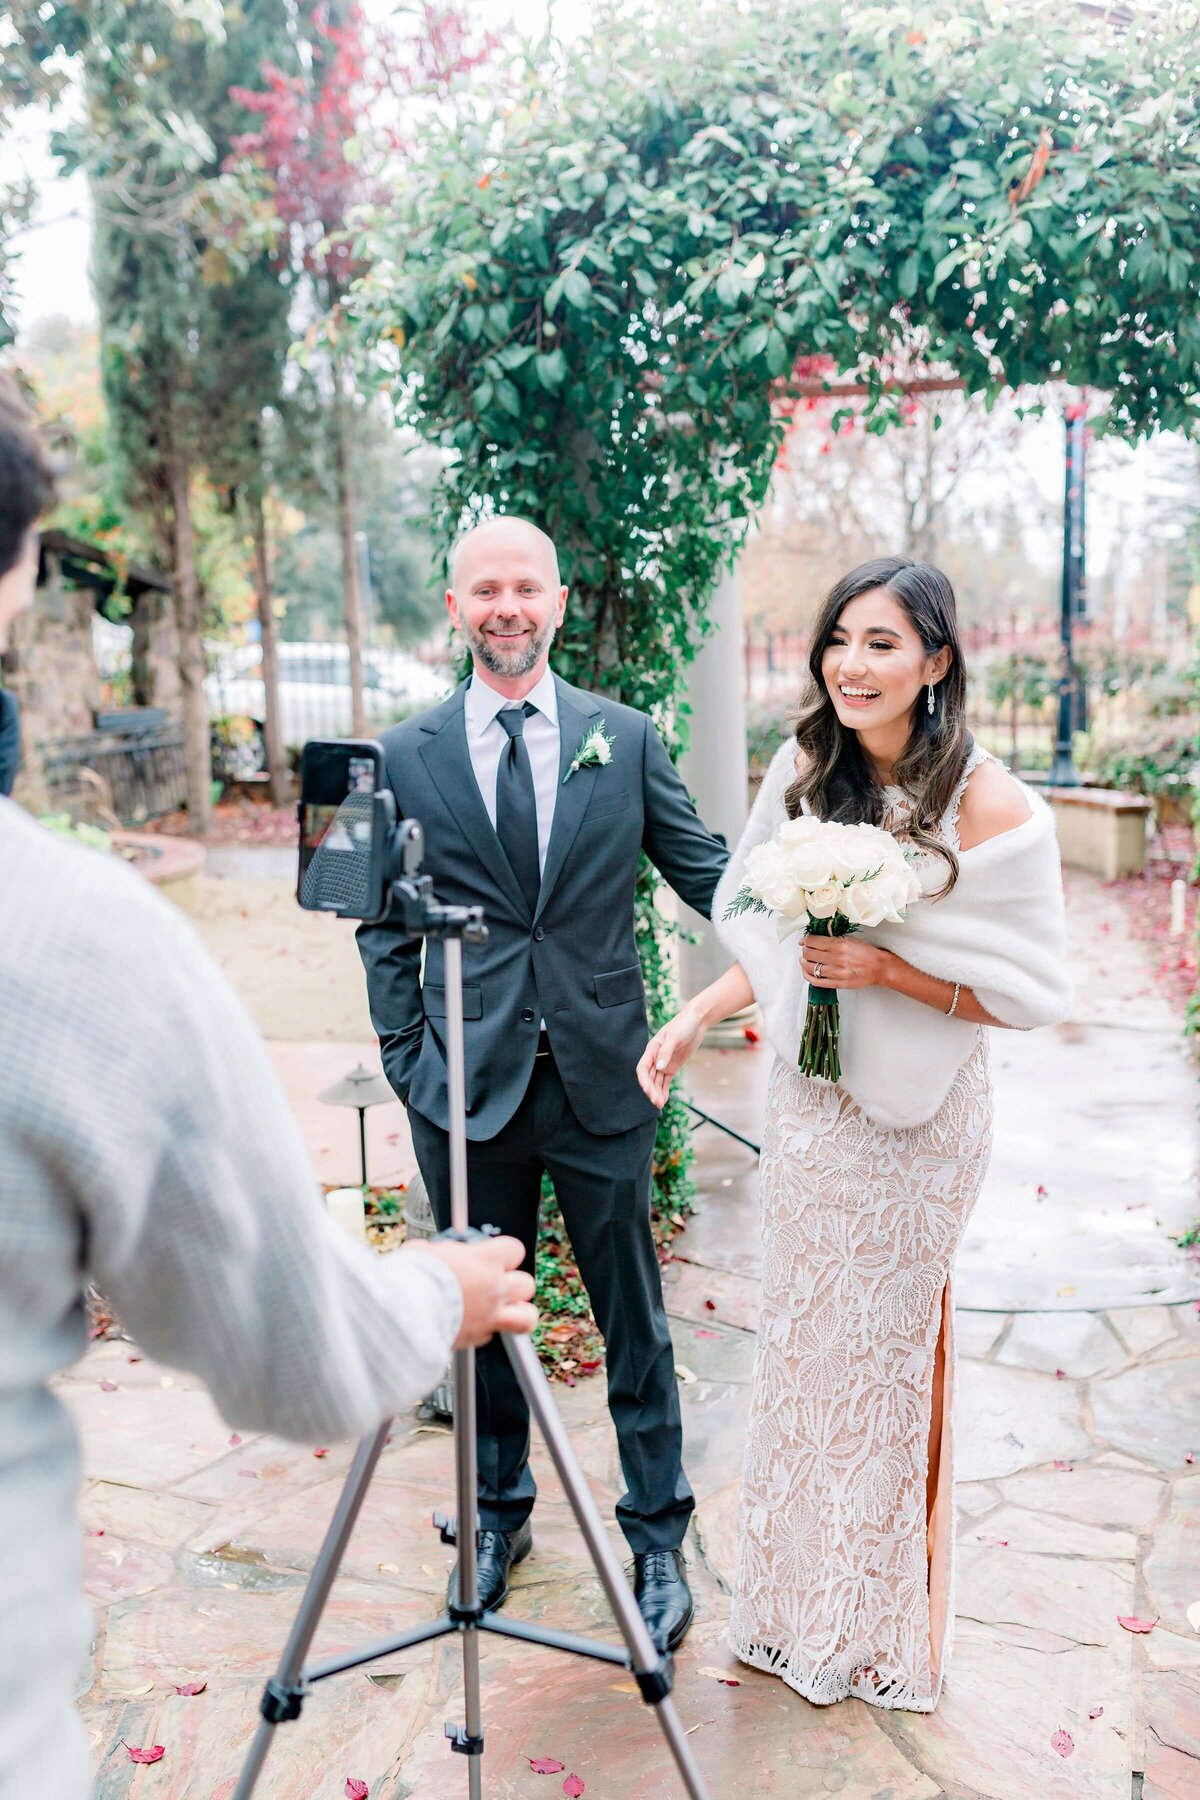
577,715
448,760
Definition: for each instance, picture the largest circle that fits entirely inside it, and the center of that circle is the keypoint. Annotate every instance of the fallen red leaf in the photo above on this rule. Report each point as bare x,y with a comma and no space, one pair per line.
1188,1457
234,1440
108,1387
1139,1626
1060,1374
710,1306
356,1789
1059,1464
1096,1712
192,1687
153,1755
995,1543
98,1531
545,1765
1042,1192
321,1450
133,1359
573,1787
1063,1742
589,1363
708,1334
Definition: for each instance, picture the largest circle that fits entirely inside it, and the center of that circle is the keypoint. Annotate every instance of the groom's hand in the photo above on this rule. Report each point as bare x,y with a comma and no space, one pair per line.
667,1052
496,1290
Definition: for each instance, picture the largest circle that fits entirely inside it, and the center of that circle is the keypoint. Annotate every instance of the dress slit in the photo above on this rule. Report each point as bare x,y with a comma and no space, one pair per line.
940,1523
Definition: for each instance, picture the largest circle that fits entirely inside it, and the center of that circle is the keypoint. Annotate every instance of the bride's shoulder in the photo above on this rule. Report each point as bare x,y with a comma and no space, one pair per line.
992,802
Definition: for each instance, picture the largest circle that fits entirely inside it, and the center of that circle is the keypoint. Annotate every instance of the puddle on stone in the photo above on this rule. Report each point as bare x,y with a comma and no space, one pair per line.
248,1568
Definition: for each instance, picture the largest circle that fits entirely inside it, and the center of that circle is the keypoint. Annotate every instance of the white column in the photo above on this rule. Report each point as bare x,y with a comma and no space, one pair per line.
716,771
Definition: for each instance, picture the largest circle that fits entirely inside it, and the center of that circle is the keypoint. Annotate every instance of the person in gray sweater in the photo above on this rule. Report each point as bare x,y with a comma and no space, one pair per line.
146,1146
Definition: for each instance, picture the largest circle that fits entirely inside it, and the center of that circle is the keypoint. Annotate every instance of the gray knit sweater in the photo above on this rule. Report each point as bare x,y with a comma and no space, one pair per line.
145,1144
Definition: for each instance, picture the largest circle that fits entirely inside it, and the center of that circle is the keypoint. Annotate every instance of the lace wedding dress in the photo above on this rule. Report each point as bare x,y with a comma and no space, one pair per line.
843,1578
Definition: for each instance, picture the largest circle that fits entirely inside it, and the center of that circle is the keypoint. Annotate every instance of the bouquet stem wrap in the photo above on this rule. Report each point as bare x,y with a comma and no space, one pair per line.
819,1054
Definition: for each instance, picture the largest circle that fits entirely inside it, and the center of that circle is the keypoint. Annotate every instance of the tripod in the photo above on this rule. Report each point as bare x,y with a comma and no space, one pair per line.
286,1691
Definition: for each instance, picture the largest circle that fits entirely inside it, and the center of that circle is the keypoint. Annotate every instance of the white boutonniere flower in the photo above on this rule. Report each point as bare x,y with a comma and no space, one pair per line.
594,751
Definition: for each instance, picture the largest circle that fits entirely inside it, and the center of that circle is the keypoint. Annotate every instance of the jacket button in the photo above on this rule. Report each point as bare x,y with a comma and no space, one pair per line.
538,934
527,1015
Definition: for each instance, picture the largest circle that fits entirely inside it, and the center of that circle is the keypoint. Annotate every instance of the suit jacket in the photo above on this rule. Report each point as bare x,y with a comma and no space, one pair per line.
573,962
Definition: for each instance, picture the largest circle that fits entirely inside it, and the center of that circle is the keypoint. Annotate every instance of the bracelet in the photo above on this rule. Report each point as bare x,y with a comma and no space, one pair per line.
953,1006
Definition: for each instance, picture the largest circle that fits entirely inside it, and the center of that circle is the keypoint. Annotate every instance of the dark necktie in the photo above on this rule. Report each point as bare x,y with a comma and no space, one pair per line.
516,806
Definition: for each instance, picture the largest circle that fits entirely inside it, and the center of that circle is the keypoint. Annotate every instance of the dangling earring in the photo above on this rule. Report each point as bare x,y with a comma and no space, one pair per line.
930,701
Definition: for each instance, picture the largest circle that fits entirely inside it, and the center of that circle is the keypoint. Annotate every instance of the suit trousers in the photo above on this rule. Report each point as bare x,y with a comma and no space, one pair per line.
603,1188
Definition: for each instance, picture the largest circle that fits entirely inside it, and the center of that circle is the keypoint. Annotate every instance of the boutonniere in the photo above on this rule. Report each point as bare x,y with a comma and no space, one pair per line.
594,751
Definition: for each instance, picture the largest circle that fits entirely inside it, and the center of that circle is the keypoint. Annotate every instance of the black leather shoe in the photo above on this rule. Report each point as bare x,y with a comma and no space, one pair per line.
664,1597
498,1552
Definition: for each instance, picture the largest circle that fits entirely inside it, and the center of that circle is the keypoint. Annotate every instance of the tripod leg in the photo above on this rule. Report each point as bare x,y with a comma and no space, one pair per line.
283,1696
645,1658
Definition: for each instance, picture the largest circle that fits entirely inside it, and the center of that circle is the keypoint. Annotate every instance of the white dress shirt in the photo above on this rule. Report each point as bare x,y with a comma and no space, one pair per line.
487,738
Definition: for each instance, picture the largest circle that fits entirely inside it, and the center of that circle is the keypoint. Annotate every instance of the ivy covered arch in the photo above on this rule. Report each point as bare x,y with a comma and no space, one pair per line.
596,290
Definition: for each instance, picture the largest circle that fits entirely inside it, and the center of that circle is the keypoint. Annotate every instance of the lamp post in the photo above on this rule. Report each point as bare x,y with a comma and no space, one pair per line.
1064,773
359,1089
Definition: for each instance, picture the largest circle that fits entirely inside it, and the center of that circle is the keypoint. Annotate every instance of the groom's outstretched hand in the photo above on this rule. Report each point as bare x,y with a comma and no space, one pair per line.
496,1290
667,1052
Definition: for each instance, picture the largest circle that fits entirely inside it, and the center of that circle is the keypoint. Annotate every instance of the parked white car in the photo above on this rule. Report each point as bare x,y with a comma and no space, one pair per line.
314,687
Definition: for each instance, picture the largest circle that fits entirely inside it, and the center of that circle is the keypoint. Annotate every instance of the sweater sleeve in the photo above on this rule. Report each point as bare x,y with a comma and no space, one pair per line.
206,1231
772,968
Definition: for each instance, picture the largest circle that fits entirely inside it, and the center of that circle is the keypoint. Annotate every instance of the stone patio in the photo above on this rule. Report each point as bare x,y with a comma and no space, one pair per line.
1078,1409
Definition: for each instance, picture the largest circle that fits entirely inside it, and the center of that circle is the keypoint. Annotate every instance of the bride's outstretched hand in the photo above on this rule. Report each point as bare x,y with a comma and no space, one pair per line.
667,1052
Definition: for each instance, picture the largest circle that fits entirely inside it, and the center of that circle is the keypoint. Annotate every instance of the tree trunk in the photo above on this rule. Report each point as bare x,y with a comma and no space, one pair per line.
277,765
347,522
189,627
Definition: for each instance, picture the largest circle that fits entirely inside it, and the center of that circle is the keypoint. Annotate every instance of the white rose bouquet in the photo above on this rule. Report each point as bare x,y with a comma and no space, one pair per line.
829,879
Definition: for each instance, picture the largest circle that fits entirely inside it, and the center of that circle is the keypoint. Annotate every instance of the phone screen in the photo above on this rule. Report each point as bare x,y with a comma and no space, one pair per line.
338,784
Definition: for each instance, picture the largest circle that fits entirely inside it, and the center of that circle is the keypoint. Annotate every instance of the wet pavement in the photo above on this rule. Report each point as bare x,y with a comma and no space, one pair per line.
1078,1409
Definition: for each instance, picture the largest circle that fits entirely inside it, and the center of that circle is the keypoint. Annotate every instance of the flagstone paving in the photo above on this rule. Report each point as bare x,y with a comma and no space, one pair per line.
1076,1415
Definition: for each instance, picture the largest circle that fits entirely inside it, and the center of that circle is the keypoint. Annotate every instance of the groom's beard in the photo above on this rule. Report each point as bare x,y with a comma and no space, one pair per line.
509,663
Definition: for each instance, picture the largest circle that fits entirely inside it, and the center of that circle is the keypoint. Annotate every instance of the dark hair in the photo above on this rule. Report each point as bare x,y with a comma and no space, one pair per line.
26,474
834,776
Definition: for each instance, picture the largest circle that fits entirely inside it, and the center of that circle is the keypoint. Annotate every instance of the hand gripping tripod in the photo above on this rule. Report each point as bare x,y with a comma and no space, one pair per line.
286,1691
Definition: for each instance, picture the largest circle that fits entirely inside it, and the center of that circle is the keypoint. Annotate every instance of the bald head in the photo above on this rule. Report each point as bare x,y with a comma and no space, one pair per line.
505,532
507,599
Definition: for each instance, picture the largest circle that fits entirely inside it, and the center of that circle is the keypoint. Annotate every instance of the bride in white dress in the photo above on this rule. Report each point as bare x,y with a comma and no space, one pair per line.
844,1563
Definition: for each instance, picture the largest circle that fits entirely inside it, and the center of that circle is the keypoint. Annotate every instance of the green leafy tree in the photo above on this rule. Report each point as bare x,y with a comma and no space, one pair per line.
593,304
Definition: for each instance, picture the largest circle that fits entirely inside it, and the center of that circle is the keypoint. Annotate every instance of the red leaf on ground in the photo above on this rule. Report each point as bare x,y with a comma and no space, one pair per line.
153,1755
994,1543
1059,1464
589,1363
1188,1457
708,1334
573,1787
356,1789
192,1687
1096,1712
1063,1742
1139,1626
321,1450
545,1765
234,1440
710,1306
1042,1192
108,1387
133,1359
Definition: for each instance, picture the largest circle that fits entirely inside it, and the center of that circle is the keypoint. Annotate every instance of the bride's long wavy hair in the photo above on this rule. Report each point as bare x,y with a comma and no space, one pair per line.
833,775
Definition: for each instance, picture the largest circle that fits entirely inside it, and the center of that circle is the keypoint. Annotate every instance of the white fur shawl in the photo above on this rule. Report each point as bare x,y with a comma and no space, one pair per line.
999,931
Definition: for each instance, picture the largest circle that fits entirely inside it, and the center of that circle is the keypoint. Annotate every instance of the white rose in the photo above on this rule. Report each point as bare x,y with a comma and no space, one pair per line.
892,891
798,831
824,901
809,863
769,876
864,904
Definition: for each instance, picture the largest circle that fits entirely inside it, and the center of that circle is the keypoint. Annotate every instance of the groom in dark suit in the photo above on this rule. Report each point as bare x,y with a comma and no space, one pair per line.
536,799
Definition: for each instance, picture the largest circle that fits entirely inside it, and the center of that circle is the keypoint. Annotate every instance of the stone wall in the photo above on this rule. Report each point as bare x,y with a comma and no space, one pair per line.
51,669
